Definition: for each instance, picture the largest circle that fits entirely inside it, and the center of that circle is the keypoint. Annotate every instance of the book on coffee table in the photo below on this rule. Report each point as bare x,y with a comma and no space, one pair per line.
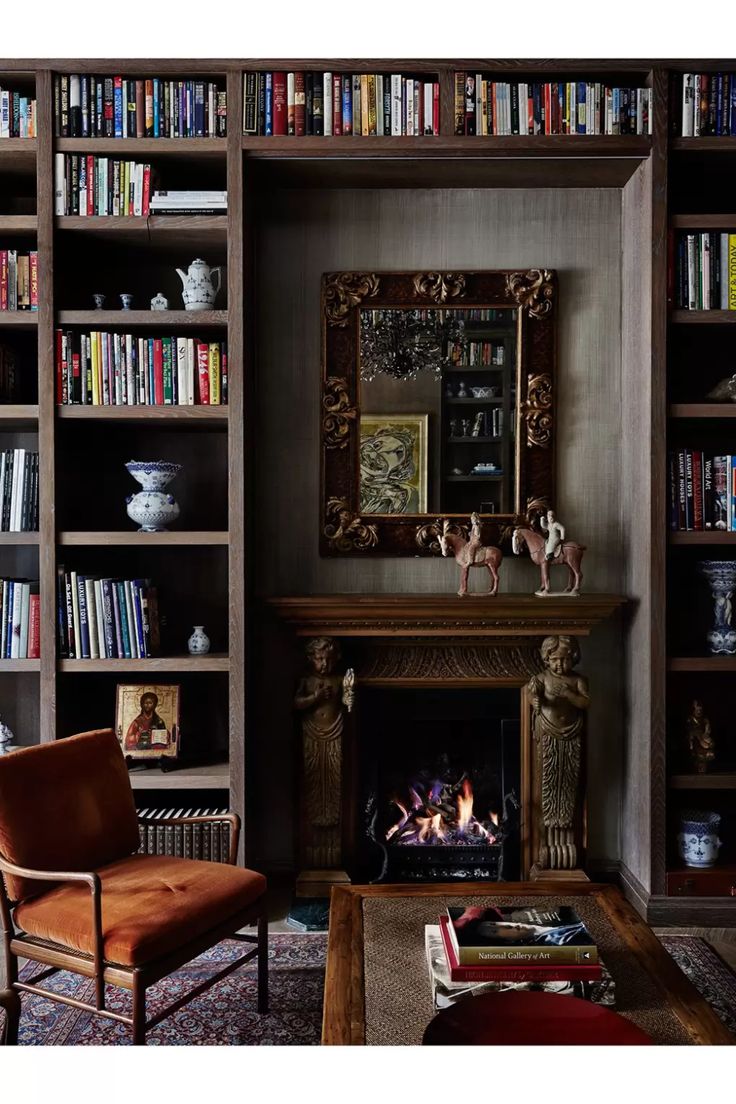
445,991
512,971
503,936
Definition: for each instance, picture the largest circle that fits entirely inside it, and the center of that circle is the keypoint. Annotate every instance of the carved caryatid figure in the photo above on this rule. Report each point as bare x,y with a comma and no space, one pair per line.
559,698
322,697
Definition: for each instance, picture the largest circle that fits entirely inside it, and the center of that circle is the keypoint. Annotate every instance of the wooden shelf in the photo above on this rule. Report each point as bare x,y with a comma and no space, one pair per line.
181,538
484,402
702,317
18,665
724,143
213,776
708,536
18,416
161,230
702,663
492,477
158,665
703,222
472,440
127,147
19,538
23,320
703,410
18,224
429,145
142,318
712,781
191,415
18,154
468,370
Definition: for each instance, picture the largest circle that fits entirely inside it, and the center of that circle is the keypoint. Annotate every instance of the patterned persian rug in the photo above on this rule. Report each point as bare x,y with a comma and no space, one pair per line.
226,1016
223,1016
710,975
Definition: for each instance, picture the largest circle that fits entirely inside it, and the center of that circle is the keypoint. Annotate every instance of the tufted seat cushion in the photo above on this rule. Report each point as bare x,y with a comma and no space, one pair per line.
151,905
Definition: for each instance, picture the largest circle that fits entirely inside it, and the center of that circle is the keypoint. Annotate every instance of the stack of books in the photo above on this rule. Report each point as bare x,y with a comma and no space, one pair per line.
475,950
87,106
708,104
189,203
705,276
475,354
20,625
359,104
17,115
209,842
18,491
105,618
702,491
18,280
486,107
112,369
89,185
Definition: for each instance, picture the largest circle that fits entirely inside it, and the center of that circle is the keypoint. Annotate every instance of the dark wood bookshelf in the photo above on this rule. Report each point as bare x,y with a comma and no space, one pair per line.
703,317
193,231
133,147
156,665
18,416
702,663
212,776
706,221
138,319
714,781
18,666
180,538
707,536
19,538
192,415
703,410
18,224
23,320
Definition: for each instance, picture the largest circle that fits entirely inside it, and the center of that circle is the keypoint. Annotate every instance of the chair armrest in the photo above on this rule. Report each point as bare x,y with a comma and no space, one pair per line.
213,818
94,883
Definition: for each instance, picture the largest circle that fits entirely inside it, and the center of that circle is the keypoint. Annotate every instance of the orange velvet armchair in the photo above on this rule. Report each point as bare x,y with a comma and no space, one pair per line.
74,895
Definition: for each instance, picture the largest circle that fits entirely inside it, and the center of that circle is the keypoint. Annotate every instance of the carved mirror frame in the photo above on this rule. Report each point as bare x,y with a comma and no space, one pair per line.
534,294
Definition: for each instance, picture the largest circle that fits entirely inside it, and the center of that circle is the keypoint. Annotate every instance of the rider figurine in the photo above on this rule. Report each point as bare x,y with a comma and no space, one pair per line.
554,532
475,540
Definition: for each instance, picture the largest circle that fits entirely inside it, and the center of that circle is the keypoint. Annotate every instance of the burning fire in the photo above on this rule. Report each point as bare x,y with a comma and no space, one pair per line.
442,813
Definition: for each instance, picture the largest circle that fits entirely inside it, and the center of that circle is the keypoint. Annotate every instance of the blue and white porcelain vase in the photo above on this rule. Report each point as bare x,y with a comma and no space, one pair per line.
698,840
721,576
199,642
152,508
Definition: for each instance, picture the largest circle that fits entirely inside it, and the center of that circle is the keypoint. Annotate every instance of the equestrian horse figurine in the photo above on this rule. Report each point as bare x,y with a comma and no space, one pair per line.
550,549
471,554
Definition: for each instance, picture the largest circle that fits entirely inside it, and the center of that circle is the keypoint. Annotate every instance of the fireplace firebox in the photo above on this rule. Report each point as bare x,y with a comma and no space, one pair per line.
440,781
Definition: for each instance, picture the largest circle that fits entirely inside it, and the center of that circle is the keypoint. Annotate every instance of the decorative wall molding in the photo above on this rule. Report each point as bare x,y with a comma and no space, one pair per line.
536,411
504,659
439,286
344,290
345,530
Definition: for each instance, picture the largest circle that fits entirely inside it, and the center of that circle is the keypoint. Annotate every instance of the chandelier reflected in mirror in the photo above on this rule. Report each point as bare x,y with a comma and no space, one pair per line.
403,343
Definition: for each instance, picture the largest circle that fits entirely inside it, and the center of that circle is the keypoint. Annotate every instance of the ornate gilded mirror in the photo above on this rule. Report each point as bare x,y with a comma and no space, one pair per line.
437,401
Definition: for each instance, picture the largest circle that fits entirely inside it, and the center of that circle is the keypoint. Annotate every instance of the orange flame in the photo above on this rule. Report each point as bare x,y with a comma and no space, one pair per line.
494,818
400,823
430,828
465,805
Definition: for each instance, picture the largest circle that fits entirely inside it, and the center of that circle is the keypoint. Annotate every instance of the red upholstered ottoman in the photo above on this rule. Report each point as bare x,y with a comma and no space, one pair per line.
531,1019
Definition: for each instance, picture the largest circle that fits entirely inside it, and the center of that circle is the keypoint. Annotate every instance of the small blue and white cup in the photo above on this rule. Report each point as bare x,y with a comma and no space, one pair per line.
126,300
697,840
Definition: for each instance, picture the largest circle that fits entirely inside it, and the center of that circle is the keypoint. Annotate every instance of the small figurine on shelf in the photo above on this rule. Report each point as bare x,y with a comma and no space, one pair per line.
99,300
550,549
700,742
199,290
465,427
470,553
453,427
724,390
159,302
462,391
449,393
126,301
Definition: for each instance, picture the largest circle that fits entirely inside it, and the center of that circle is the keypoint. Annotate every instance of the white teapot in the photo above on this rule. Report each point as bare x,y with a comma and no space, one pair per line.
199,290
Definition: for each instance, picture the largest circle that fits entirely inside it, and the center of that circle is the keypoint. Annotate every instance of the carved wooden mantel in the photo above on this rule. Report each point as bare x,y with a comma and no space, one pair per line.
418,640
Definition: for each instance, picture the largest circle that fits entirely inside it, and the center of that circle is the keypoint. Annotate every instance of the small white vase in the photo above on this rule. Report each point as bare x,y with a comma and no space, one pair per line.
199,642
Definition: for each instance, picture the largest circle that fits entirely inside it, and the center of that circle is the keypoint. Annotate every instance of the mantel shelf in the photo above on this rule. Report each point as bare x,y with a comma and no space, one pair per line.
478,615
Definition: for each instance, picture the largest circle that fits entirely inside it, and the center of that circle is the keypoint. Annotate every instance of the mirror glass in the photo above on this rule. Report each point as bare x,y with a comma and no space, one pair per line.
438,410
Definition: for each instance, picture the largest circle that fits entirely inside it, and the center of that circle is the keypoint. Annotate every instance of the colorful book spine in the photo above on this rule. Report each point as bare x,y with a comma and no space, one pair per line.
120,107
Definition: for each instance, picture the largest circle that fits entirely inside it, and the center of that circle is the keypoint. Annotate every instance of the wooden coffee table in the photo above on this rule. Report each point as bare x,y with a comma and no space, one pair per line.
664,990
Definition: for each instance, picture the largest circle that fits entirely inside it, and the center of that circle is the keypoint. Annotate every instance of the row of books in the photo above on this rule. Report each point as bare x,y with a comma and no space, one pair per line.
360,104
112,369
17,115
209,842
475,354
446,992
18,491
708,104
87,106
702,491
20,622
18,280
88,185
105,618
705,271
488,107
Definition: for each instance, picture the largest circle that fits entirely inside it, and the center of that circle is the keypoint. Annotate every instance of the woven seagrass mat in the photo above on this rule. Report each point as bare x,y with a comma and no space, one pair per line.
398,1000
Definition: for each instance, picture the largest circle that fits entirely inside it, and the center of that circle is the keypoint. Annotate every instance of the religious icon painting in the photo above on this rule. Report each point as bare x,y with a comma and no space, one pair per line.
147,720
393,463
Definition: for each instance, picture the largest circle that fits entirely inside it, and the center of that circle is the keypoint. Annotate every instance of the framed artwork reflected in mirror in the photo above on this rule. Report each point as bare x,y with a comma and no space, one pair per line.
437,401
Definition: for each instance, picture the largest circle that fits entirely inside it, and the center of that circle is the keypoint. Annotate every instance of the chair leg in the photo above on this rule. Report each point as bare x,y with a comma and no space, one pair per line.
10,1001
139,1012
263,962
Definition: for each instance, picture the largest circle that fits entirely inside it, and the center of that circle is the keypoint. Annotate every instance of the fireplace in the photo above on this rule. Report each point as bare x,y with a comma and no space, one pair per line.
440,739
440,783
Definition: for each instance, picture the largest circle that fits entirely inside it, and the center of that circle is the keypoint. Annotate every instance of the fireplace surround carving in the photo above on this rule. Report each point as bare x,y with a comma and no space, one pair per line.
435,641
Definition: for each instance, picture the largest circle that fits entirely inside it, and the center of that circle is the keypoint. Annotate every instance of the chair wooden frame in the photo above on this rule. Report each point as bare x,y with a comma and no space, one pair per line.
138,979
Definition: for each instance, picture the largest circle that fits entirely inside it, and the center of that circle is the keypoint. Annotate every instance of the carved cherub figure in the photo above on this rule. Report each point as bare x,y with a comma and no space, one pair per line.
700,742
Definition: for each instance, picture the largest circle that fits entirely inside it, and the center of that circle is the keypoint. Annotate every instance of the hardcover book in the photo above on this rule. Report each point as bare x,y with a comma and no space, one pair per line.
518,936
